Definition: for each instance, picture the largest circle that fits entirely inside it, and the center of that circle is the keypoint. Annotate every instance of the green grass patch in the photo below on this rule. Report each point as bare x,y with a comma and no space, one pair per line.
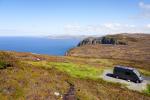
144,72
75,70
2,65
147,91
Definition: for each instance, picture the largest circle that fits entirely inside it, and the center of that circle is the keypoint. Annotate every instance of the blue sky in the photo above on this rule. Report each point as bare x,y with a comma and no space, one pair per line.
73,17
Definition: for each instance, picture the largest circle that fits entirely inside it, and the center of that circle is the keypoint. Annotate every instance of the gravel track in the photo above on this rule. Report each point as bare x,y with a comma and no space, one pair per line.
130,85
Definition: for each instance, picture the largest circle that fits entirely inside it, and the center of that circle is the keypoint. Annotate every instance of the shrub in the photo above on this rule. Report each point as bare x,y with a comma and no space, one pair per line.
122,43
108,40
2,65
7,60
148,89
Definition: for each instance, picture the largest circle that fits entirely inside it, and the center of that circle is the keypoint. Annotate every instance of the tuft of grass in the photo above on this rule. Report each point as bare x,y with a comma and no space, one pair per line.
147,91
144,72
74,70
2,65
7,60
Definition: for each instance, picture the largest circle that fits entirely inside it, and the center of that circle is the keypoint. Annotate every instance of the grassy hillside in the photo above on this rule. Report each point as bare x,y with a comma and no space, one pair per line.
135,53
137,48
31,79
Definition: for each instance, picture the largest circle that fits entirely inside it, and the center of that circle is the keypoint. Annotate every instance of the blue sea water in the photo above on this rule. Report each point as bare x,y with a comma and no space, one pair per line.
37,45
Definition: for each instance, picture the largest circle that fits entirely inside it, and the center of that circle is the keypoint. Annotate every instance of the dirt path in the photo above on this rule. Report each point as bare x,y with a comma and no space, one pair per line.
130,85
70,95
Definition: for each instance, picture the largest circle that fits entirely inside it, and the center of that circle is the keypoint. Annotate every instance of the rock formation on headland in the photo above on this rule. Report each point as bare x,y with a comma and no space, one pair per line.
121,46
101,40
118,39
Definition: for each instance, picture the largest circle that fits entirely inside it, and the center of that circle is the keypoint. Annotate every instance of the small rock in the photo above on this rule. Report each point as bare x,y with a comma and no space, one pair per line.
56,93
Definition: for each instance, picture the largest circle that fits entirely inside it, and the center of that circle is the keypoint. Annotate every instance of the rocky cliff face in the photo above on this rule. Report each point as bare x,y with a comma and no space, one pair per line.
123,46
103,40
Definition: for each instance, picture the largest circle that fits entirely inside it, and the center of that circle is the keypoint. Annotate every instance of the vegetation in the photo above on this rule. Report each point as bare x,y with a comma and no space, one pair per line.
7,60
145,72
26,78
108,40
137,48
75,70
147,91
3,65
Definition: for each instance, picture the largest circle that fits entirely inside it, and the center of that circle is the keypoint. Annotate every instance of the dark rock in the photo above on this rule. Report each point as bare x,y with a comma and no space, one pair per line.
70,95
101,40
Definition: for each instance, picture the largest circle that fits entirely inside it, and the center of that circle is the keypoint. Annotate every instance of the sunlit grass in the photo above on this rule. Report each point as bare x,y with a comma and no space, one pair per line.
147,91
75,70
144,72
2,64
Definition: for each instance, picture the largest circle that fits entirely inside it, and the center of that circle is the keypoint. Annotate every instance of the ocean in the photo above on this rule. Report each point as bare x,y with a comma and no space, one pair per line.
43,45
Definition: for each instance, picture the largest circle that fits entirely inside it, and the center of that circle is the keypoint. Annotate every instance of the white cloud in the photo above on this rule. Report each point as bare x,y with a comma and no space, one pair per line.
75,28
148,25
144,5
72,26
145,10
131,26
106,28
113,26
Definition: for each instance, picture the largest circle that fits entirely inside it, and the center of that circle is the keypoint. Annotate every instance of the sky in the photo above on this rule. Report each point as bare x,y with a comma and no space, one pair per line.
73,17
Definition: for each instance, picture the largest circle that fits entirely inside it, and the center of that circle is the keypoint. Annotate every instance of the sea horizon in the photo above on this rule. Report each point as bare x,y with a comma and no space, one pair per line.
38,45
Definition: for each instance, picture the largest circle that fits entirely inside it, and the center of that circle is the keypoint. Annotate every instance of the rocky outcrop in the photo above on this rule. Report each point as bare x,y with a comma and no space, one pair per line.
124,46
102,40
